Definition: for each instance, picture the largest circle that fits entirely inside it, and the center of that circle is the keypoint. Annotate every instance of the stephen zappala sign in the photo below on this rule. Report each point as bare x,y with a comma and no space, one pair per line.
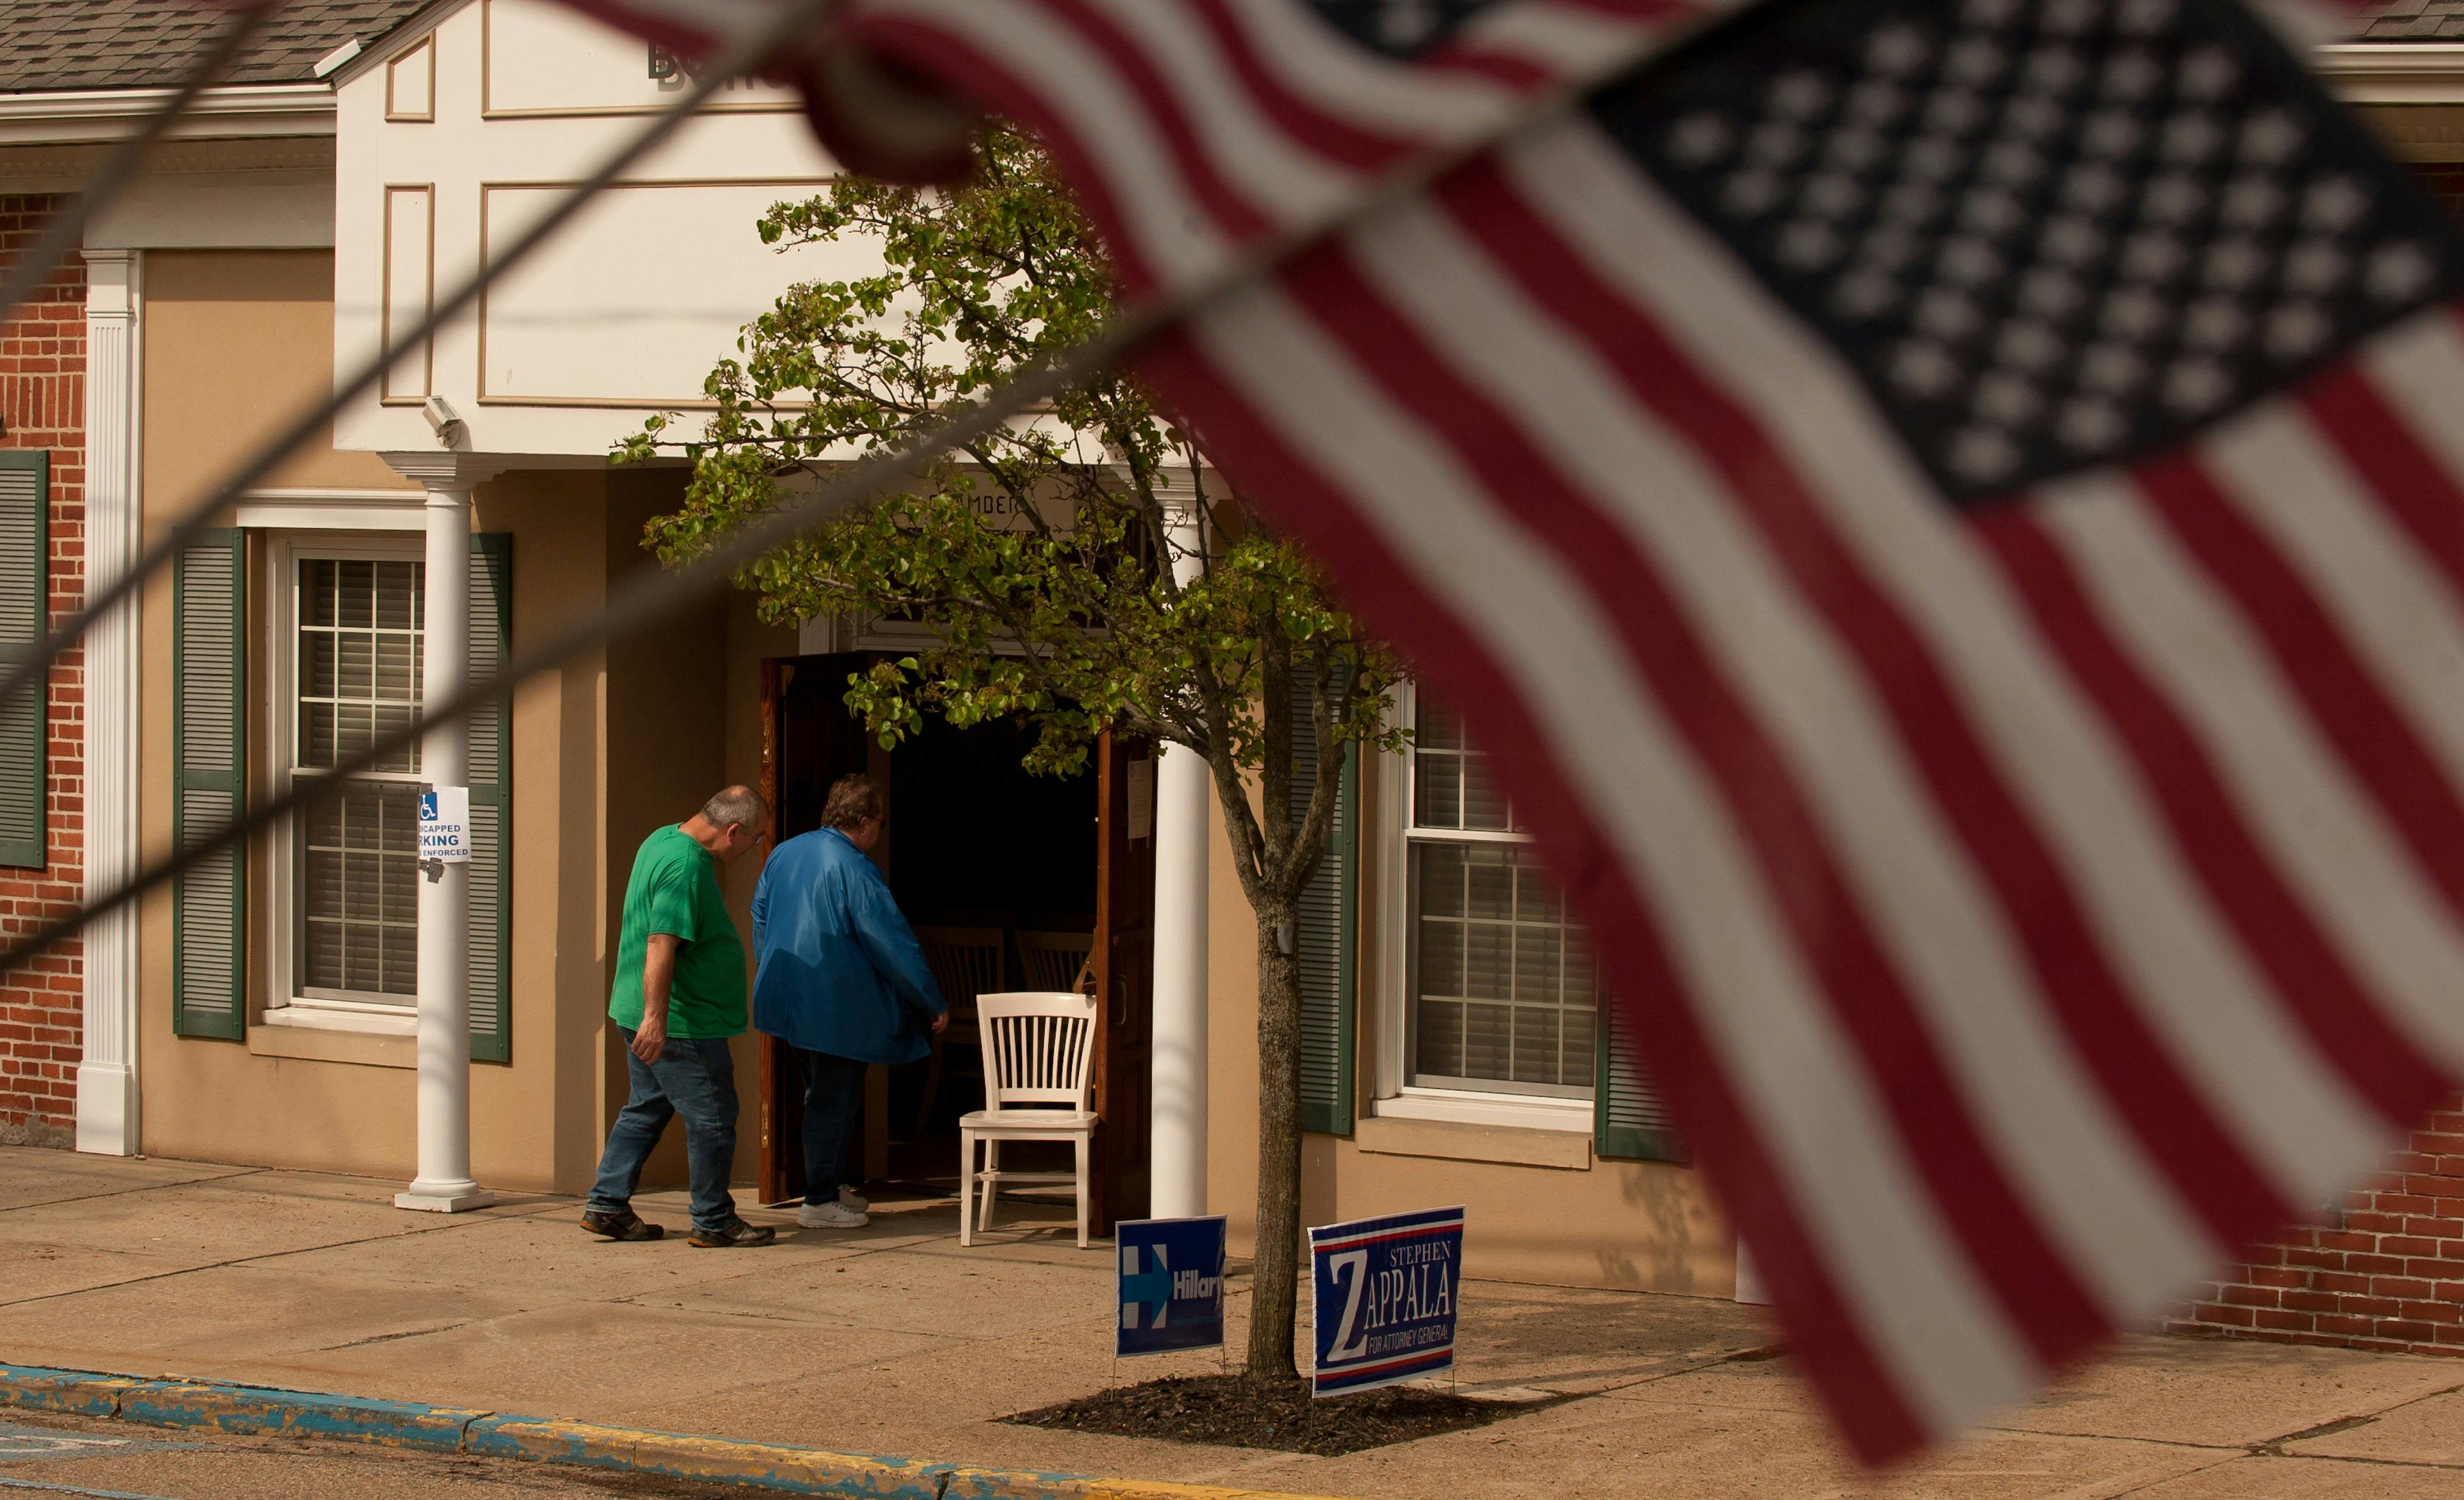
1385,1292
1171,1284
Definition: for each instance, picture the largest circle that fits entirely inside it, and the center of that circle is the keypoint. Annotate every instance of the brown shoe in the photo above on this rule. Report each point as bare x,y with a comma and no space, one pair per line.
731,1234
622,1224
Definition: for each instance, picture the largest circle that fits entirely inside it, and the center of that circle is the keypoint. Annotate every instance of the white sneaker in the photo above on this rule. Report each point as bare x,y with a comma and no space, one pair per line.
852,1200
830,1215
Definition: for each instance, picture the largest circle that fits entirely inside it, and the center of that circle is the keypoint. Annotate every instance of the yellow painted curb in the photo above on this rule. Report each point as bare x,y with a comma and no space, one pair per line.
216,1406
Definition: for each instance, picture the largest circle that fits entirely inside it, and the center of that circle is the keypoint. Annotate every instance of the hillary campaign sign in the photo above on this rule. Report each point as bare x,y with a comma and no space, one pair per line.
1171,1284
1385,1293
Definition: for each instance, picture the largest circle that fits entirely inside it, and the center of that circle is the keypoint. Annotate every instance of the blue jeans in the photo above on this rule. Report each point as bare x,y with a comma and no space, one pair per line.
695,1077
834,1099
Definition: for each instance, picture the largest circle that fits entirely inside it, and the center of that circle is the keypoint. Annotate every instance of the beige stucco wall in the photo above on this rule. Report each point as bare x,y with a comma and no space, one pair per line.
1638,1226
237,341
684,718
606,747
233,341
536,1122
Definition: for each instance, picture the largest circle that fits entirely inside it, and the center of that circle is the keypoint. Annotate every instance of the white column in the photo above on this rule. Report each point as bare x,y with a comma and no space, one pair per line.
444,1184
106,1076
1176,1146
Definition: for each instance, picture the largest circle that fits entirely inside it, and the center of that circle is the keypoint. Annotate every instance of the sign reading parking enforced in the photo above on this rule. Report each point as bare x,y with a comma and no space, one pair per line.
445,825
1385,1292
1171,1284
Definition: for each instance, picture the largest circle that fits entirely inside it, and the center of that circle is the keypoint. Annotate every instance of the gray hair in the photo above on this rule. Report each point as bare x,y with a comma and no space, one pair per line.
737,804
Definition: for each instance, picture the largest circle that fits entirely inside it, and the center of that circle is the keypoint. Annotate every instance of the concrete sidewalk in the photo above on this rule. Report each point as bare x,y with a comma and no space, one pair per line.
892,1341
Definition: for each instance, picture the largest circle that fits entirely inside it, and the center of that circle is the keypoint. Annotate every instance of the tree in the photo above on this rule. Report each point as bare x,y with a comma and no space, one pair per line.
1079,569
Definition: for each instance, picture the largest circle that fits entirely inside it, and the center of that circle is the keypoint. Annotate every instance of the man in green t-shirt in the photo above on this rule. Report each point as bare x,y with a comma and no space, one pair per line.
679,994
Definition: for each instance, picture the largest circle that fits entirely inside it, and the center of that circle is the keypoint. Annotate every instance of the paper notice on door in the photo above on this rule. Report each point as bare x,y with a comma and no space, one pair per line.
1141,799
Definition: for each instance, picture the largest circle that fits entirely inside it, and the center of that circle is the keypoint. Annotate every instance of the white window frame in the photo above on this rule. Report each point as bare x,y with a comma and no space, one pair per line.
286,1003
1395,1095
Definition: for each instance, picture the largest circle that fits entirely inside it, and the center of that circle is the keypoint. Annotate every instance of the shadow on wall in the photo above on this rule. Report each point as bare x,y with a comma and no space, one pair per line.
1662,1226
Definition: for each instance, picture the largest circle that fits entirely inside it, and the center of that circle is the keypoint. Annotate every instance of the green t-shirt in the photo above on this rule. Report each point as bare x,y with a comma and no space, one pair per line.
675,889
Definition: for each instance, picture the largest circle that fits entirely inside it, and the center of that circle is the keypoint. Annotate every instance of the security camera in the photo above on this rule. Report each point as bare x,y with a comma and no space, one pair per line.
442,417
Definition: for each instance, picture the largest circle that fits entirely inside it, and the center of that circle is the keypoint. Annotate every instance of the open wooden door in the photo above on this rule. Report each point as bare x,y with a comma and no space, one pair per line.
1124,975
808,741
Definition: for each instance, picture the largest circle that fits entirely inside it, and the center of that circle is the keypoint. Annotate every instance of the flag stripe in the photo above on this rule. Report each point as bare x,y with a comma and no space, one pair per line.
2378,745
1763,803
1836,1347
1023,57
1641,253
2291,479
1331,94
1280,173
2301,488
2048,1121
2291,789
2387,412
2279,931
1231,209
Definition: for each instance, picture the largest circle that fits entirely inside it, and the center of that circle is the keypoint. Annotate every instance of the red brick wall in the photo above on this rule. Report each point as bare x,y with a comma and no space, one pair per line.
42,400
2384,1271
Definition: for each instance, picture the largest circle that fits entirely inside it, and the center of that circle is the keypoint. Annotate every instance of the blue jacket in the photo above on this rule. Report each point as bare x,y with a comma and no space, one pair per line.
840,970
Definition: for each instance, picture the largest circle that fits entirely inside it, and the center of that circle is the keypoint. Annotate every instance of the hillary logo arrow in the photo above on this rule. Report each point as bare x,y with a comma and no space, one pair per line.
1150,1289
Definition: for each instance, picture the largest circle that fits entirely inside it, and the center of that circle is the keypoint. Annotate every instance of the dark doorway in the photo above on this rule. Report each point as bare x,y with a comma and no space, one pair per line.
977,841
1008,874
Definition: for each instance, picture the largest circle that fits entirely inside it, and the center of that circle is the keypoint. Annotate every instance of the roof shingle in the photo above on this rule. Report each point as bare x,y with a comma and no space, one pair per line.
123,44
130,44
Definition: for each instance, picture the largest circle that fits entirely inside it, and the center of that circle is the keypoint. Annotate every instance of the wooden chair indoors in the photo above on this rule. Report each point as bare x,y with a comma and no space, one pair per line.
1053,961
966,961
1039,1082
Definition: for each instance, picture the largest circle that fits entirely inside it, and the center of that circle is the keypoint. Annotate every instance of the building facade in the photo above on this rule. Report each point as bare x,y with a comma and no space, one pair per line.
267,1010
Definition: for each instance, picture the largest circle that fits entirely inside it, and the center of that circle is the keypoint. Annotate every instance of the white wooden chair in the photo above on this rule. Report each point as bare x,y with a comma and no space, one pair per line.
1053,961
1039,1082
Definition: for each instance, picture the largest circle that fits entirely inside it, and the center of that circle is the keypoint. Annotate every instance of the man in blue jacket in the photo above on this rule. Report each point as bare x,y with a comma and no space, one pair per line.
841,980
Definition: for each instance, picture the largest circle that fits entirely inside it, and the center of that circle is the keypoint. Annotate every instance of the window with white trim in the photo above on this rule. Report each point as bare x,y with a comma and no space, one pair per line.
348,632
1501,994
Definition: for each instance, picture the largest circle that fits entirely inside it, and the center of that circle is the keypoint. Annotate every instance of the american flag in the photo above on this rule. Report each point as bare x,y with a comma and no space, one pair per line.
1946,514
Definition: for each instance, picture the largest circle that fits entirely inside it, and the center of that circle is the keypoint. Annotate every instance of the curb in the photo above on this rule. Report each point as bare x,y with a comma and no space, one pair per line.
220,1407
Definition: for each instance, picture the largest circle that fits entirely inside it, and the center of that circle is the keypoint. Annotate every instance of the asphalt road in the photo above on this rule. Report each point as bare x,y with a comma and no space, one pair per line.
41,1454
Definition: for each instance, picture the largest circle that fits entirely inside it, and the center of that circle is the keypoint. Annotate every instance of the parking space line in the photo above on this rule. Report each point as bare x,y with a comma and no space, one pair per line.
73,1489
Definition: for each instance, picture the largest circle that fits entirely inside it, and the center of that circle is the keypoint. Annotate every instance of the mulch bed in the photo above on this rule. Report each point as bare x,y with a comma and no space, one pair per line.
1237,1412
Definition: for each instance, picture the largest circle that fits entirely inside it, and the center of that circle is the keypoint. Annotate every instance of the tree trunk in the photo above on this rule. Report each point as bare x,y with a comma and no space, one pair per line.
1275,1284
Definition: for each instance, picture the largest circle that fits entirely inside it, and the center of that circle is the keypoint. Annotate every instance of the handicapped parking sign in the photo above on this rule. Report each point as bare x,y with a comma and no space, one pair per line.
1171,1284
445,825
1385,1291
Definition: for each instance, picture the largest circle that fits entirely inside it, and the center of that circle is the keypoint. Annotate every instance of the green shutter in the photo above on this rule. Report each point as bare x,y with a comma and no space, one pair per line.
210,783
1629,1118
1326,940
492,804
25,589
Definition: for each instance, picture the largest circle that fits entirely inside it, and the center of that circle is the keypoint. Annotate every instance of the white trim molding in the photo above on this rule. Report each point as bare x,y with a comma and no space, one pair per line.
334,510
106,1076
2393,73
238,109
